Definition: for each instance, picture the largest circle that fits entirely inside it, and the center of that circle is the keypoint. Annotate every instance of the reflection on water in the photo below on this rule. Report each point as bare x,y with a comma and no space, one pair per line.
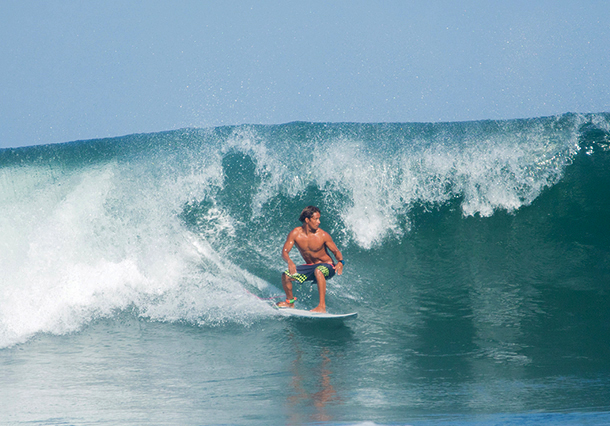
313,392
303,393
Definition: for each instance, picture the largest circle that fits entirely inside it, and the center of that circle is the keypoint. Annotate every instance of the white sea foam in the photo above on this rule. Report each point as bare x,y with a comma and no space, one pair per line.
504,169
346,167
85,244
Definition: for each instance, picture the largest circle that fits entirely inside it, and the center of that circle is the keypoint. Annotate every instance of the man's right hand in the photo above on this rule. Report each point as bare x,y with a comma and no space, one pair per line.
292,268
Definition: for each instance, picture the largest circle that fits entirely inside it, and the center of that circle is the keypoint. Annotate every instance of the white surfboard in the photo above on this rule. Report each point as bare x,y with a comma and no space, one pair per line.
301,313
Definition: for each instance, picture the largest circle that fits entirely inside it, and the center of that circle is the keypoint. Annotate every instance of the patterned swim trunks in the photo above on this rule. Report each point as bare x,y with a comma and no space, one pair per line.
307,272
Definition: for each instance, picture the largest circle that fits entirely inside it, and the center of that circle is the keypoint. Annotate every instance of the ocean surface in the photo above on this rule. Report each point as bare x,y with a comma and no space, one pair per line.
138,276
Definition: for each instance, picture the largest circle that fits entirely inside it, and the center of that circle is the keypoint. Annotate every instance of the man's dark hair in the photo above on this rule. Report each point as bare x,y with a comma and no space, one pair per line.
308,212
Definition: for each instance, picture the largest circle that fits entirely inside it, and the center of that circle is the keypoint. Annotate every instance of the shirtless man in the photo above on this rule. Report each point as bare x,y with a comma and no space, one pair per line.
313,244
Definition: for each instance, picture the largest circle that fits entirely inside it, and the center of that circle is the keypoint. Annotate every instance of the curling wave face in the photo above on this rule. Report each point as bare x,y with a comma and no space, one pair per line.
186,225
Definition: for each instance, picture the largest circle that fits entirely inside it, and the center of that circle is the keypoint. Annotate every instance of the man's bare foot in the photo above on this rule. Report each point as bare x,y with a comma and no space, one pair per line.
319,309
288,303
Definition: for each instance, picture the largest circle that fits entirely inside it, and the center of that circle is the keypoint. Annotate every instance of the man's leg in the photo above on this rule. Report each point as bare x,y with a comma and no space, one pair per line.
321,280
287,285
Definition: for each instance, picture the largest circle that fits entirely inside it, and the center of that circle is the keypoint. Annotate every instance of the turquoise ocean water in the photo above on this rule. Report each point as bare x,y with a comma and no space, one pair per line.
137,276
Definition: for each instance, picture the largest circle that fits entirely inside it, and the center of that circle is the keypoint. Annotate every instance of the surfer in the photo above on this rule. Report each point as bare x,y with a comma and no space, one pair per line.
313,244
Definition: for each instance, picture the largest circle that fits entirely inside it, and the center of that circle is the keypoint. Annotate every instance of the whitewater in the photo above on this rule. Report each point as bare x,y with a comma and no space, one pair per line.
138,275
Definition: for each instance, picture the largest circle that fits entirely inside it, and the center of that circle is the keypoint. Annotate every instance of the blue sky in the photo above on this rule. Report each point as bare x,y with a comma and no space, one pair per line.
73,70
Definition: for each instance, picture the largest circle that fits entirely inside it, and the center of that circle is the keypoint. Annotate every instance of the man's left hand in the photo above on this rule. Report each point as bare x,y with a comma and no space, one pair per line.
339,268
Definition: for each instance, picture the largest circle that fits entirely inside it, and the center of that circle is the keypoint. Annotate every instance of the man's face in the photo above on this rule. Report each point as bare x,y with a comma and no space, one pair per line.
314,221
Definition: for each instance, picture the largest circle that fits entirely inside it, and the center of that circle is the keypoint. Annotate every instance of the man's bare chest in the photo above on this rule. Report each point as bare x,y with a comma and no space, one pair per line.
311,243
